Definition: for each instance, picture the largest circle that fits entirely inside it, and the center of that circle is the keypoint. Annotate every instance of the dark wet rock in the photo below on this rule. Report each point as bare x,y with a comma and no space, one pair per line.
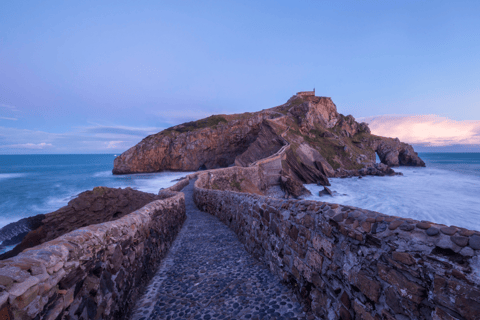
448,230
474,242
293,187
432,231
423,225
460,241
407,227
325,192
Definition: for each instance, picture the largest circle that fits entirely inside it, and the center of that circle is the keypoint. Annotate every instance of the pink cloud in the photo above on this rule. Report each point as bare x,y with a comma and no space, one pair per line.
431,130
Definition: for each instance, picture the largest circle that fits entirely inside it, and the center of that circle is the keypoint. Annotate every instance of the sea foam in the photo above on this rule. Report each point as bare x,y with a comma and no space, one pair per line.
440,196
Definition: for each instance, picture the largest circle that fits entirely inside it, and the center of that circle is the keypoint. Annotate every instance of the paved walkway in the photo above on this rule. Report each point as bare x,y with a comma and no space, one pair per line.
207,274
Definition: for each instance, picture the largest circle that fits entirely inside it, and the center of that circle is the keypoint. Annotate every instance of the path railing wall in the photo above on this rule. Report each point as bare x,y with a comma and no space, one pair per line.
350,263
94,272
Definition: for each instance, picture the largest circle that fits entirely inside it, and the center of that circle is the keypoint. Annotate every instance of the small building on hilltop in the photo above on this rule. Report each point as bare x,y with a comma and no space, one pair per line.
306,93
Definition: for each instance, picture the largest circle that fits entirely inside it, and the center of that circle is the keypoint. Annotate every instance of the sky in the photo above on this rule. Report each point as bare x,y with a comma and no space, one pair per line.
98,76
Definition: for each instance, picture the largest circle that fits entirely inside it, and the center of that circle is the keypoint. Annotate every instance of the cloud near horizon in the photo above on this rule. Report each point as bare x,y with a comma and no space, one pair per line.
95,138
428,130
41,145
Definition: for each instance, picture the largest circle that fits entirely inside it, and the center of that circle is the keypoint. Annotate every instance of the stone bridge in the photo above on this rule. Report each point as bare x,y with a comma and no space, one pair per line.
205,253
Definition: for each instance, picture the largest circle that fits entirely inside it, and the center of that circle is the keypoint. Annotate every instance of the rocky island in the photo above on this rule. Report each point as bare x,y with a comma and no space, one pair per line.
322,143
232,240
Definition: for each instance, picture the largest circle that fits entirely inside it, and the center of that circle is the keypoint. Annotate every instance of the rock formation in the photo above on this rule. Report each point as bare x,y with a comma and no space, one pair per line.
99,205
321,143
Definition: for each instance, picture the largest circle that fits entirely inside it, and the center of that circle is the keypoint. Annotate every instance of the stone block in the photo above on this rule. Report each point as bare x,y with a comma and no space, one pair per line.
395,224
408,289
459,240
314,260
20,288
366,226
24,300
371,288
303,269
457,296
403,257
474,242
448,230
361,311
323,245
320,303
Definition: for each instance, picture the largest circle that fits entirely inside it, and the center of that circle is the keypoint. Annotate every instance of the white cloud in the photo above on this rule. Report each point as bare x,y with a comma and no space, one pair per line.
115,144
95,138
13,108
42,145
430,130
6,118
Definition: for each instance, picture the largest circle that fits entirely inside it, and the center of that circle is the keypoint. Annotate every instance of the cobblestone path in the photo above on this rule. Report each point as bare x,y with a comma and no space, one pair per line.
207,274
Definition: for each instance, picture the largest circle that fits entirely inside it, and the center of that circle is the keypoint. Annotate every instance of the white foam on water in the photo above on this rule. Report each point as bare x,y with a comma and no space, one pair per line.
103,174
154,182
431,194
7,248
7,220
11,175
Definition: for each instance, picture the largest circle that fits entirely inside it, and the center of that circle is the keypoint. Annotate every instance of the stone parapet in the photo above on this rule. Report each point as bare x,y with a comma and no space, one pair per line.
95,272
350,263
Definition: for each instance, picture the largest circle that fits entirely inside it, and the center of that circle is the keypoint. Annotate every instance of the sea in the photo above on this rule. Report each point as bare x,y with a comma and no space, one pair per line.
34,184
447,191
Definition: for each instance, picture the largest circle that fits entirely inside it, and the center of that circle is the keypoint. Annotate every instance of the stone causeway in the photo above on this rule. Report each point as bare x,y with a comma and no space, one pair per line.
208,275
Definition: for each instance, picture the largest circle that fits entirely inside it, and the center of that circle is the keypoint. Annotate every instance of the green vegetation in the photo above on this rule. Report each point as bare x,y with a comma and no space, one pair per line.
298,101
215,186
235,184
210,122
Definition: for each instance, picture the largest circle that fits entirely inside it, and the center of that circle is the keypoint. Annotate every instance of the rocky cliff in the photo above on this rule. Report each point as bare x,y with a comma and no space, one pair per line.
322,143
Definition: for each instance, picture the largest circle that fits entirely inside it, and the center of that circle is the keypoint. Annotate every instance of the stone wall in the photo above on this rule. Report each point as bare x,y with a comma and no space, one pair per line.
95,272
95,206
350,263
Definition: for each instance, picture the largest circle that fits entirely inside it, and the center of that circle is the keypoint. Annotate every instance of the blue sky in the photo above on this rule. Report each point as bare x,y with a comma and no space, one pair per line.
98,76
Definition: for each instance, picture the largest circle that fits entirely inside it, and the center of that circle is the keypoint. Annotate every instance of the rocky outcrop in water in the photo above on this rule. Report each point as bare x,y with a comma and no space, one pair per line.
99,205
322,143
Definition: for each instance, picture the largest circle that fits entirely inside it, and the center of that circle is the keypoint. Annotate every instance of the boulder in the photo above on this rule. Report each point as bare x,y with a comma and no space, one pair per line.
325,192
292,187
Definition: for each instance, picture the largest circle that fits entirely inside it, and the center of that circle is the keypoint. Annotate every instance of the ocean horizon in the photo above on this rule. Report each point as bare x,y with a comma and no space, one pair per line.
446,191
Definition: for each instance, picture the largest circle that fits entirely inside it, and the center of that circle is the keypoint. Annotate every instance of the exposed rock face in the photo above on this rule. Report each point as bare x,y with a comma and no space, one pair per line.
90,207
292,187
267,143
394,153
322,143
189,148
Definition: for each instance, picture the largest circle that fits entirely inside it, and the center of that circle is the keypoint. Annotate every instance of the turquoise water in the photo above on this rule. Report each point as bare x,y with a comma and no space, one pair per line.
34,184
447,191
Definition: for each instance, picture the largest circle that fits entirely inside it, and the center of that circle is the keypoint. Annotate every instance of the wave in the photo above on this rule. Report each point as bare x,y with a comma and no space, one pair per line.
11,175
103,174
152,183
441,196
